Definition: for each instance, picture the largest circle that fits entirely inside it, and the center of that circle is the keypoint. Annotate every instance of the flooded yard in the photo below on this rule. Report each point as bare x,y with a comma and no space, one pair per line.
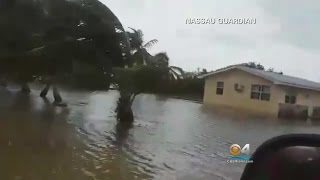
170,138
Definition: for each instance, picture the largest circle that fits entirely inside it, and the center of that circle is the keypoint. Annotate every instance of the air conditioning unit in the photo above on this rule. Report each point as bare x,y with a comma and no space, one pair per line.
238,87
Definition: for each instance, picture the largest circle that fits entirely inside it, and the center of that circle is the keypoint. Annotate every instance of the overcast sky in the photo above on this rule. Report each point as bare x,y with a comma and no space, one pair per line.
285,36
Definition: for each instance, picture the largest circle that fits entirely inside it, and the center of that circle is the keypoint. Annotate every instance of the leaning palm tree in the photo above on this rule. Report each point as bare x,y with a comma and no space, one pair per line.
43,38
172,72
139,47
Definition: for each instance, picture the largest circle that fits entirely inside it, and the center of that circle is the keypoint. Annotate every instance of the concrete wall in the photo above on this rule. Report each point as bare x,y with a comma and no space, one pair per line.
242,100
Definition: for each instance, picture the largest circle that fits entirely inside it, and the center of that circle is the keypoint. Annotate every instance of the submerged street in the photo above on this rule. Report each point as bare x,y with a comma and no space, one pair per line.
170,138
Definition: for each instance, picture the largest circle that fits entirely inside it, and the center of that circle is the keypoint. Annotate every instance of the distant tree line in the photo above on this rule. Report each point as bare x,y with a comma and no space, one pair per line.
254,65
260,67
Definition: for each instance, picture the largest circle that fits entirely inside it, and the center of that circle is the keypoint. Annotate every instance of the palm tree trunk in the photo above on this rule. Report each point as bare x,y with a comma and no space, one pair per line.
45,91
124,109
56,95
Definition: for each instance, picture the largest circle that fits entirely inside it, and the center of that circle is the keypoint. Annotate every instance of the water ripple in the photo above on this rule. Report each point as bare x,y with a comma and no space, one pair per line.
170,138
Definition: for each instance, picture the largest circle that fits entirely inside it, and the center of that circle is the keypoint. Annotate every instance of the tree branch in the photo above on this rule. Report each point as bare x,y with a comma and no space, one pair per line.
133,97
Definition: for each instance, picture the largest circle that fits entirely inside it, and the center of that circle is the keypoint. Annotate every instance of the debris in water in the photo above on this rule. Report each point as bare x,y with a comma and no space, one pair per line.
88,173
167,166
83,103
106,171
213,155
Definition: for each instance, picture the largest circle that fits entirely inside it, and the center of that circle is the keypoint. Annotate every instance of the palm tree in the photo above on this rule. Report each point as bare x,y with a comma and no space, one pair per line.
141,56
171,72
53,33
129,85
139,47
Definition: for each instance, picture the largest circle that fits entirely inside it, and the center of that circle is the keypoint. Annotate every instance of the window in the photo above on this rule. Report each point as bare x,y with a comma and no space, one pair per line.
220,86
290,99
260,92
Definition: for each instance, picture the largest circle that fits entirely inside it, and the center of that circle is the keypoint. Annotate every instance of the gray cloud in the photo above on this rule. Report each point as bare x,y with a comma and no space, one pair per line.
299,21
285,36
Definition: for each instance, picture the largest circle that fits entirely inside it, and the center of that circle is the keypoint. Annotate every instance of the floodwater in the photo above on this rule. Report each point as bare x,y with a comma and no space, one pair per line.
170,138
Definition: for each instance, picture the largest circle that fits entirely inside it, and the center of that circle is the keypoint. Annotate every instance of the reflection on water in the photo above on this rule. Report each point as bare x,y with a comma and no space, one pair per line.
170,139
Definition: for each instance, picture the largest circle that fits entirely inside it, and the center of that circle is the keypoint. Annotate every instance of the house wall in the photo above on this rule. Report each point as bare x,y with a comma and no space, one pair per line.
304,96
242,100
308,98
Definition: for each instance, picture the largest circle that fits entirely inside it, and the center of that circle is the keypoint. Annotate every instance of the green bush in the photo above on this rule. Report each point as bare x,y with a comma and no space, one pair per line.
147,79
182,87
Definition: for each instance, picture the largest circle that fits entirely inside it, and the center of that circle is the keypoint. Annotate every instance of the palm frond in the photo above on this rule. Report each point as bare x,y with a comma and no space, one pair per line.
173,74
137,32
150,43
134,30
135,38
162,56
178,70
161,59
140,33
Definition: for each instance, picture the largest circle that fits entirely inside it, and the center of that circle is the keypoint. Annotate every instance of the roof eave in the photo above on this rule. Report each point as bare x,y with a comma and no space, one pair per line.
203,76
297,86
259,75
215,72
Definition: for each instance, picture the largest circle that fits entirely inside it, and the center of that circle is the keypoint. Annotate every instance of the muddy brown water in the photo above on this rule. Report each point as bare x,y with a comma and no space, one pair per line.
170,138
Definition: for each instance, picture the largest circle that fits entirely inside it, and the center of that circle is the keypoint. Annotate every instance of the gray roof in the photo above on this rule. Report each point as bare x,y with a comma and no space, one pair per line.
274,77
